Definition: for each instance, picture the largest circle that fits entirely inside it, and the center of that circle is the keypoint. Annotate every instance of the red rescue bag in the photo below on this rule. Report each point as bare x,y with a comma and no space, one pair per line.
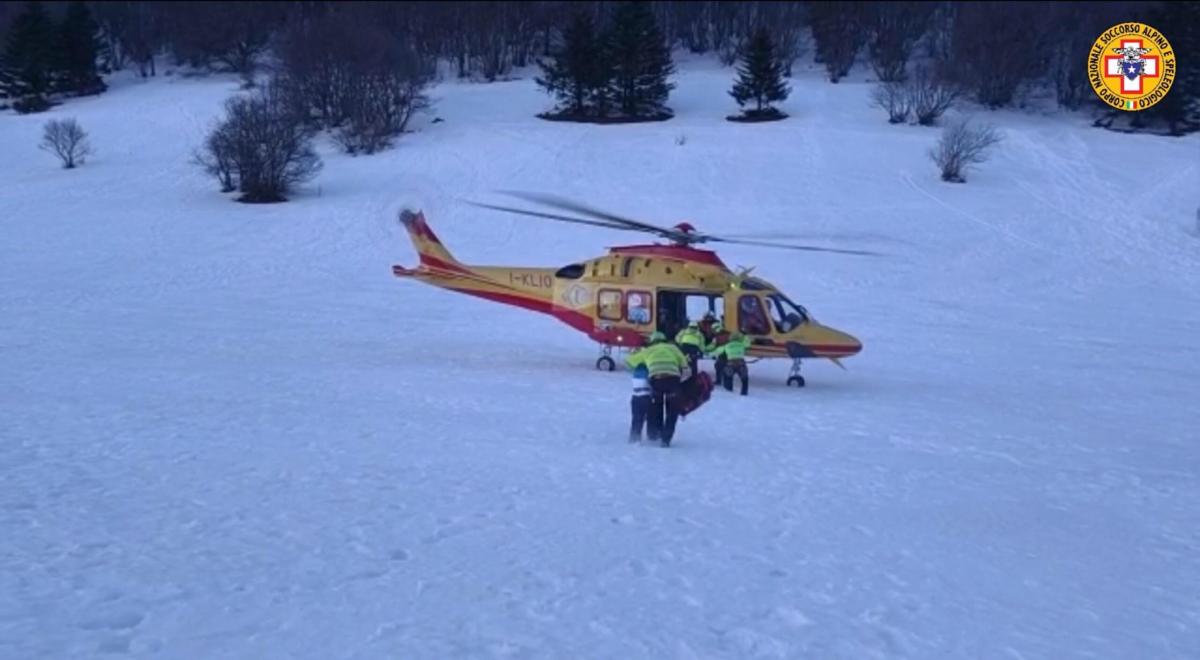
693,393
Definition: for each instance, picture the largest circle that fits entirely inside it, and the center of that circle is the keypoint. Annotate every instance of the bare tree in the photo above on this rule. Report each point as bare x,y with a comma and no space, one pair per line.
895,98
961,146
217,157
380,108
930,95
839,31
348,73
224,36
994,50
894,28
264,145
66,139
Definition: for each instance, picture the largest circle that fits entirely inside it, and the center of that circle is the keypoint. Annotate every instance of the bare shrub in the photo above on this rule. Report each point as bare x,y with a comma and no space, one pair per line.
349,75
262,146
930,95
381,102
961,146
217,157
893,30
66,139
895,98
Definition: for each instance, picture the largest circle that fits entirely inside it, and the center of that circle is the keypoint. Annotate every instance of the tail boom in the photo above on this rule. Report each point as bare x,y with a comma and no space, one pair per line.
527,288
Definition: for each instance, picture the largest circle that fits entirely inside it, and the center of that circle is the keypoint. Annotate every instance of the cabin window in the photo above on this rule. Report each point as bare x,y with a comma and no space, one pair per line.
572,272
638,308
752,319
610,304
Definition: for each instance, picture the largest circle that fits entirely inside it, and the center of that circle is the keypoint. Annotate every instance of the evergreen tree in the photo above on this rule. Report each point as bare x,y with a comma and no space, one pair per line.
77,48
760,76
1180,108
640,60
577,75
28,63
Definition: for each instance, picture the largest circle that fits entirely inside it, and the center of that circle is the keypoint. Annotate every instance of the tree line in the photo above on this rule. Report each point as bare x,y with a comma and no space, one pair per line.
996,53
358,70
48,55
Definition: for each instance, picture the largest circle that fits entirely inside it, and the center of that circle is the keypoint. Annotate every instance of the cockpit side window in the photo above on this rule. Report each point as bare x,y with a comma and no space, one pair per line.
752,320
787,315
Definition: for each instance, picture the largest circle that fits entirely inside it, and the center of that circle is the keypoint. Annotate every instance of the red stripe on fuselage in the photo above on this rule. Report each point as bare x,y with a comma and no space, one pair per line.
576,320
445,265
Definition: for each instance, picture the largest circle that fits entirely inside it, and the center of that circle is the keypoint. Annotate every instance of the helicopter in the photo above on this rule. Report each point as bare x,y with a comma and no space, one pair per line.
619,299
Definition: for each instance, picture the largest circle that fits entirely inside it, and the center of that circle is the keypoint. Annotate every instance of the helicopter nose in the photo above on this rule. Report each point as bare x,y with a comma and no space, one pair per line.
849,344
842,344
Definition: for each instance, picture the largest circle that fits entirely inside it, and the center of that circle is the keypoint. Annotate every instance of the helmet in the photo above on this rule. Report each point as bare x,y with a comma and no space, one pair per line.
656,337
693,324
708,316
717,327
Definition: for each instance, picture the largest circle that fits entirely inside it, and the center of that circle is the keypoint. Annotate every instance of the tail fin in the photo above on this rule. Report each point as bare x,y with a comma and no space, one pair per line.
430,249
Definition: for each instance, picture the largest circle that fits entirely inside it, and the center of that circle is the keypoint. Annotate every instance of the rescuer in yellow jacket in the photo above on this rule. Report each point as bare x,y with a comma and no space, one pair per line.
734,352
691,341
719,336
665,364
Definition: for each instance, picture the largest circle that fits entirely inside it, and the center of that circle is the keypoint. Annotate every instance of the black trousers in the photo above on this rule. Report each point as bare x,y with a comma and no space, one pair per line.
661,421
639,407
692,353
738,368
719,369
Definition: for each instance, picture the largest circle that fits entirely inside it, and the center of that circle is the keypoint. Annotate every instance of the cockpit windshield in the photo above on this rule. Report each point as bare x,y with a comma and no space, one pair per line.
786,314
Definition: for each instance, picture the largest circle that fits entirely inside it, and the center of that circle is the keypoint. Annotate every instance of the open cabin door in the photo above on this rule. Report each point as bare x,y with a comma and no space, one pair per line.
676,309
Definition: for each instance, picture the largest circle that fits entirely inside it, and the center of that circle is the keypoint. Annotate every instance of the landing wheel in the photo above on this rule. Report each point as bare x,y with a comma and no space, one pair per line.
605,363
794,377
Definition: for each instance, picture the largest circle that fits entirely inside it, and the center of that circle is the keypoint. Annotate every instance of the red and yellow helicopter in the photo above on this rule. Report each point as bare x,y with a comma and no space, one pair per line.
620,298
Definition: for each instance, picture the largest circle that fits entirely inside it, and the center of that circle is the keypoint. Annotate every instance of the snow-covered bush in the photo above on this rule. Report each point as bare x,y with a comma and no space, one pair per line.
66,139
961,146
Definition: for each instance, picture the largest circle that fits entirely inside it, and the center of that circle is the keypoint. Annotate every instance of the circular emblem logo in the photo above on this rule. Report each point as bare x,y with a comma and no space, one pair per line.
576,296
1131,66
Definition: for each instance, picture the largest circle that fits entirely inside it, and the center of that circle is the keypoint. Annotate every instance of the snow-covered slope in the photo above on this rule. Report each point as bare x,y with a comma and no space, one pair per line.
229,432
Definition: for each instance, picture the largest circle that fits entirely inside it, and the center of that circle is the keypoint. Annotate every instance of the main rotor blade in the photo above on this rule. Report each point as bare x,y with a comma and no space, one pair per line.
784,246
551,216
568,205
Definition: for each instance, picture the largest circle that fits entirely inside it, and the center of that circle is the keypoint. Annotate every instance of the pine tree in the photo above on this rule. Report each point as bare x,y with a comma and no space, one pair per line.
640,60
760,76
576,75
1180,108
28,63
77,48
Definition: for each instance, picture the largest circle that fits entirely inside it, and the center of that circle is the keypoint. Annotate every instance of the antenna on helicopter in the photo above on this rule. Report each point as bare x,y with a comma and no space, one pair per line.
682,234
